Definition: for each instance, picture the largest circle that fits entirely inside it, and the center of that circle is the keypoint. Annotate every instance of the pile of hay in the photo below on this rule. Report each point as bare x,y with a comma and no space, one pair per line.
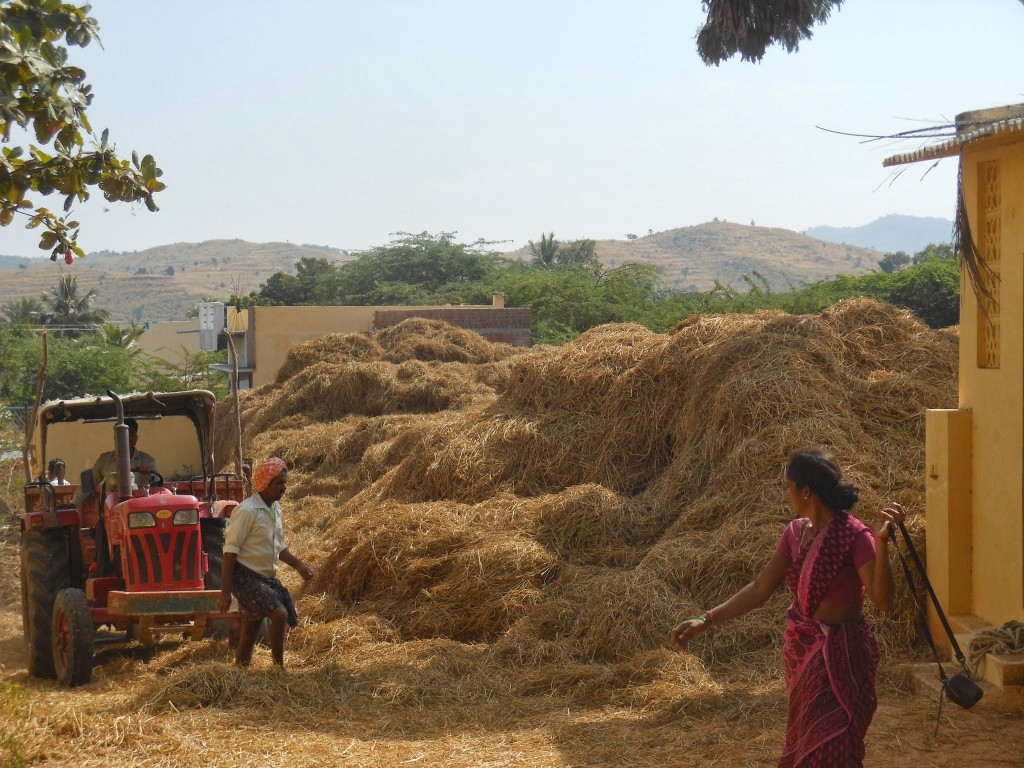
569,505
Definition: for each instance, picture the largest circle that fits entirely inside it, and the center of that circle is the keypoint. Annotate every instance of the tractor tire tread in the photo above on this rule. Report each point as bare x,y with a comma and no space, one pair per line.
72,605
46,571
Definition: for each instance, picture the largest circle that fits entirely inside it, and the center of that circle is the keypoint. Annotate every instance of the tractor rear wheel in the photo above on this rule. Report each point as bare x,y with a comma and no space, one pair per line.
24,599
212,529
44,573
213,545
72,638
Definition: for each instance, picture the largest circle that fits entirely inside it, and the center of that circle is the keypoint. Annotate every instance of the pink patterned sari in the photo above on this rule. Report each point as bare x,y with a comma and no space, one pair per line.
830,670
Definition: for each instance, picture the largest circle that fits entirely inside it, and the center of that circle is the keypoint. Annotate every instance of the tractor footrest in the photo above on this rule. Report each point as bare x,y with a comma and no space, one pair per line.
194,631
162,603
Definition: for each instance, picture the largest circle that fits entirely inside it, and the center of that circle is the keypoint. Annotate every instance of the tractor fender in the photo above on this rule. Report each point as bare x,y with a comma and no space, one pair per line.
224,508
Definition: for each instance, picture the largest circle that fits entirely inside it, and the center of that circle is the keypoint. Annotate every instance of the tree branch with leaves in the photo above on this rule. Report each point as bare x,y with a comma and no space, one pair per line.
43,95
748,28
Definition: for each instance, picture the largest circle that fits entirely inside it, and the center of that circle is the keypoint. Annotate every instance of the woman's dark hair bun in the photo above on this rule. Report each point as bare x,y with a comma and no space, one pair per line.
815,469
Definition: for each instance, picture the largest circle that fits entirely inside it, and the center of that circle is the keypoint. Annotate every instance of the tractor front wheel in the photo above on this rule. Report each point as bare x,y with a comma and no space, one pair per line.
72,638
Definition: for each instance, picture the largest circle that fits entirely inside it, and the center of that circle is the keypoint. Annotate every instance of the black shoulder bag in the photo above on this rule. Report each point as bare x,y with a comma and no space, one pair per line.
959,688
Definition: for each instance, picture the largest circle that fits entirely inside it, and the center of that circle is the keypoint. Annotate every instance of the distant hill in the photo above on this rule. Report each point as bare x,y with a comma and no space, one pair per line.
889,234
693,258
165,282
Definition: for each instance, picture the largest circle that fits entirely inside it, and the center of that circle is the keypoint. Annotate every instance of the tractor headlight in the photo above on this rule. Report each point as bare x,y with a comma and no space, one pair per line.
186,517
141,520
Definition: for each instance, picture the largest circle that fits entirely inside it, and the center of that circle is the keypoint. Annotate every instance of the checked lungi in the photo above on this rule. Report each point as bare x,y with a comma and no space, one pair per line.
259,595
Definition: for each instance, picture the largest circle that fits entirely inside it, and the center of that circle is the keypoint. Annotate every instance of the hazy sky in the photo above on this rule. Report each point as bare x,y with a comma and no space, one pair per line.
337,122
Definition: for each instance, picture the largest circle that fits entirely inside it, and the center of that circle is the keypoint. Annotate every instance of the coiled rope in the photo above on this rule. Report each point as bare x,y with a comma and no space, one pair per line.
1008,638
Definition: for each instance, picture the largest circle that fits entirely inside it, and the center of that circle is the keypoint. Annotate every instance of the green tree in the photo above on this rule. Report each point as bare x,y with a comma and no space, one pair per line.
414,269
579,252
429,263
117,336
929,287
748,28
315,282
193,372
75,367
78,367
545,253
939,251
90,365
282,289
41,92
931,290
568,299
894,262
239,301
17,373
24,310
70,312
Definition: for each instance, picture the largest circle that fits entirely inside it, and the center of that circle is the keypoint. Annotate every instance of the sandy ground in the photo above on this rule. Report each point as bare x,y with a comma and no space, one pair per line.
112,721
181,704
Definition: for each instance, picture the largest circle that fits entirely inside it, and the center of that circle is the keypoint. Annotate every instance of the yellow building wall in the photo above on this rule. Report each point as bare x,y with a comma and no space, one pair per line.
995,395
166,340
273,331
950,533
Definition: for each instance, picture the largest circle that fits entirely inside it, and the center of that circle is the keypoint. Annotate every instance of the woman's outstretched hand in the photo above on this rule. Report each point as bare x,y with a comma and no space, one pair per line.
686,631
892,514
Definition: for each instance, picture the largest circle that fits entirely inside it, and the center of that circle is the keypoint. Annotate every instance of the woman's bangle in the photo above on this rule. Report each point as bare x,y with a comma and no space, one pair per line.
708,618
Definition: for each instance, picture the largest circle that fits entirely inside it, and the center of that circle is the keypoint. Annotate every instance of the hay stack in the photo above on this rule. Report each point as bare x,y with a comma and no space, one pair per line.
434,341
337,347
601,490
417,366
439,569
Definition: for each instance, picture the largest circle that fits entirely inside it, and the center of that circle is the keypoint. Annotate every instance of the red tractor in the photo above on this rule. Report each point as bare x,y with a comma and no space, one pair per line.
112,564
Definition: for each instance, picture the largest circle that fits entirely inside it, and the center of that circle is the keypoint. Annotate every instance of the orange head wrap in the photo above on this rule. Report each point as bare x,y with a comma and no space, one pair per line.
267,471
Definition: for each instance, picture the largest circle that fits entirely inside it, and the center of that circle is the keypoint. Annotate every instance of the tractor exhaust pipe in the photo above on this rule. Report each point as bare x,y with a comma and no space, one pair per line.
124,459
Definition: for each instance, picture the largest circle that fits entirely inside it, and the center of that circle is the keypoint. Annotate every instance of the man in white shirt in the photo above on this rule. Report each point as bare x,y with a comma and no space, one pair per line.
253,546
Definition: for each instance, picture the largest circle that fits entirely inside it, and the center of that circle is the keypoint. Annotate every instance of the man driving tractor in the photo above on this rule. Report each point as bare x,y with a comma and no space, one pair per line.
105,469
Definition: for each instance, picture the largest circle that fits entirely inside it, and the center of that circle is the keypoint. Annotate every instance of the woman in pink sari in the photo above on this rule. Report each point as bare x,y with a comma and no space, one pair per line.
829,560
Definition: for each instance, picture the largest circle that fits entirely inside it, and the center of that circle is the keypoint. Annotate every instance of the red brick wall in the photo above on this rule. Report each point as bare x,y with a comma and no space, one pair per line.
511,326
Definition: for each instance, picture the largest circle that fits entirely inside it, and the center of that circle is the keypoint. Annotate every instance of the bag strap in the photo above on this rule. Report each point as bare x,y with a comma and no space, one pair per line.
931,593
922,616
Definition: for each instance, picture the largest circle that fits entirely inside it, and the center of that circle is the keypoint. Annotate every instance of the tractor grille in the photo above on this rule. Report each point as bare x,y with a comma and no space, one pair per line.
156,558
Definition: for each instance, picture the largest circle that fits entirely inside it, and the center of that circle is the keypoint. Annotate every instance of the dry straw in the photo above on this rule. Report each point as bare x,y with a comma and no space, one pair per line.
502,534
601,490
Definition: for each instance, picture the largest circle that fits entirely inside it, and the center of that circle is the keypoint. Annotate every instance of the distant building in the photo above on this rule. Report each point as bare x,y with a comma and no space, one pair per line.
171,340
262,336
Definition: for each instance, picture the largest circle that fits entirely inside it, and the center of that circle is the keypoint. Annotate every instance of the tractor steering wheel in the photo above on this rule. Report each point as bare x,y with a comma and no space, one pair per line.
156,480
